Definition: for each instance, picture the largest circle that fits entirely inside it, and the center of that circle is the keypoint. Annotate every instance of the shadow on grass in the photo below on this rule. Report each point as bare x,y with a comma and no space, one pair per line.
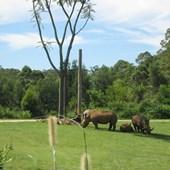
102,129
159,136
155,136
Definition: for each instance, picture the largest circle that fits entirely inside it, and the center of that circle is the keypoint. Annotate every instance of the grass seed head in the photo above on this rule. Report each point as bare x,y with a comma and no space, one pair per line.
85,162
52,130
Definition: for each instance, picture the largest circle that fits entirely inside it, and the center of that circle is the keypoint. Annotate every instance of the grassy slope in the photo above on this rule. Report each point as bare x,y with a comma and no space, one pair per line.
108,150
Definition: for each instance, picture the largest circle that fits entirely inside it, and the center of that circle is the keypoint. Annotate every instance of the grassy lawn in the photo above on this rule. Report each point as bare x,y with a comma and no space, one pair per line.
108,150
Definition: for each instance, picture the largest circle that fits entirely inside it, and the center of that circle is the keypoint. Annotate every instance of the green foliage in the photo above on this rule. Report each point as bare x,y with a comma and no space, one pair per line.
97,98
47,94
52,113
4,155
165,43
31,102
163,95
123,70
101,78
72,87
123,88
163,111
7,113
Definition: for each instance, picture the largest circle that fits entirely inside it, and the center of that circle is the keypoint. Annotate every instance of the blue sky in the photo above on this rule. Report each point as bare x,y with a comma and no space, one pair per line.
121,30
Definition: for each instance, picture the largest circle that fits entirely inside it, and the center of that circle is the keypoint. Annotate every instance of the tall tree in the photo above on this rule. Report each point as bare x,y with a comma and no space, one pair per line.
165,43
74,11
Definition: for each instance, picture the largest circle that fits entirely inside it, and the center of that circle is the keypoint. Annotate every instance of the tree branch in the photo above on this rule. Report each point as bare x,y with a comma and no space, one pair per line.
73,35
68,51
41,37
55,32
68,18
78,16
82,26
52,21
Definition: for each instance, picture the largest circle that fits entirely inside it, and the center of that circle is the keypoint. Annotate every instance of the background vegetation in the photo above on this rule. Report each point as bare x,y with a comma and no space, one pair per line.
124,88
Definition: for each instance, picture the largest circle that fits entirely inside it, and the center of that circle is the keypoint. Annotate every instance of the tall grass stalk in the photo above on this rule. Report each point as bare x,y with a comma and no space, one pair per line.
52,137
85,162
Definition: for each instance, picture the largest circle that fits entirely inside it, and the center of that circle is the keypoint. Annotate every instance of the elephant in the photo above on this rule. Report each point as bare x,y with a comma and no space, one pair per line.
141,124
97,116
126,127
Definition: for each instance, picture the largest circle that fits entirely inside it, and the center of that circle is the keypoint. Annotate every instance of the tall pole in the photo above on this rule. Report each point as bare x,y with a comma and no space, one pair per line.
79,83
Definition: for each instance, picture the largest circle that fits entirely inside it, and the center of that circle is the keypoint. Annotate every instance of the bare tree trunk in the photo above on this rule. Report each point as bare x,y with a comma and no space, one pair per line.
79,83
65,93
61,95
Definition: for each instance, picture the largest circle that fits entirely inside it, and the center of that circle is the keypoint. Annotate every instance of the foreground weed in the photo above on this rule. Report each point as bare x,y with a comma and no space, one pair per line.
4,155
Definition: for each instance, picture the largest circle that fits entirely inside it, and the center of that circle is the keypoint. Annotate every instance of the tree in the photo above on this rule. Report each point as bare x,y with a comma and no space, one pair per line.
165,43
156,78
123,70
25,76
141,74
144,58
101,78
74,11
48,94
31,102
19,91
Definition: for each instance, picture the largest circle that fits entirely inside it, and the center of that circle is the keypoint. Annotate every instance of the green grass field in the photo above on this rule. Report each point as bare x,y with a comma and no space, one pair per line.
108,150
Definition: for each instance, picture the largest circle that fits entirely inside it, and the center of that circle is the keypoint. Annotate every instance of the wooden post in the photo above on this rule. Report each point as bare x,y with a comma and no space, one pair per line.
79,83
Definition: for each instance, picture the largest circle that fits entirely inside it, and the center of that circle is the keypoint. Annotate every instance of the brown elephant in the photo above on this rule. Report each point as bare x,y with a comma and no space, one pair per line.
126,127
97,116
141,124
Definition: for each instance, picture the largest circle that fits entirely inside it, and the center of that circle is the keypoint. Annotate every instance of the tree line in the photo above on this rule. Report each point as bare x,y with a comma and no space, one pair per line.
124,88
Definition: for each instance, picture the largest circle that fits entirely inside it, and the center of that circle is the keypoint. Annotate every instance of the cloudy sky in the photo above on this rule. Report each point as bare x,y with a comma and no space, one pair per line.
121,30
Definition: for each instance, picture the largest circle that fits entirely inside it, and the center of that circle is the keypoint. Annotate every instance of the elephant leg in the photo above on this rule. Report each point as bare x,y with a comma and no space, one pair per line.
96,125
135,127
114,127
143,131
110,126
139,130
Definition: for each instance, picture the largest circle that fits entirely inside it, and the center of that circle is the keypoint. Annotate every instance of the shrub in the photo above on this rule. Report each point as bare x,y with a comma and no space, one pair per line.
7,113
31,102
162,111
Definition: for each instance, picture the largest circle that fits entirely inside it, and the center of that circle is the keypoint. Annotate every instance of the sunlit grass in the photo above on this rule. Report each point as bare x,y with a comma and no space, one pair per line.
107,150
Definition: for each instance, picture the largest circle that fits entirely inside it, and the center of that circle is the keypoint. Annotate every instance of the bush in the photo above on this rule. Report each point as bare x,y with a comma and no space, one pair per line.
7,113
129,110
162,111
31,102
53,113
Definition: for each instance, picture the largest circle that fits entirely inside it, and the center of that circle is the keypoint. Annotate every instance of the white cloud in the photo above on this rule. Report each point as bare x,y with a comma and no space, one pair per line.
151,13
77,40
20,41
149,40
138,36
149,16
12,11
27,40
128,10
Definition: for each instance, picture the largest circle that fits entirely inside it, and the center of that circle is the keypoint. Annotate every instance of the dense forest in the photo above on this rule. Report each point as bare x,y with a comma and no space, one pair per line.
124,88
